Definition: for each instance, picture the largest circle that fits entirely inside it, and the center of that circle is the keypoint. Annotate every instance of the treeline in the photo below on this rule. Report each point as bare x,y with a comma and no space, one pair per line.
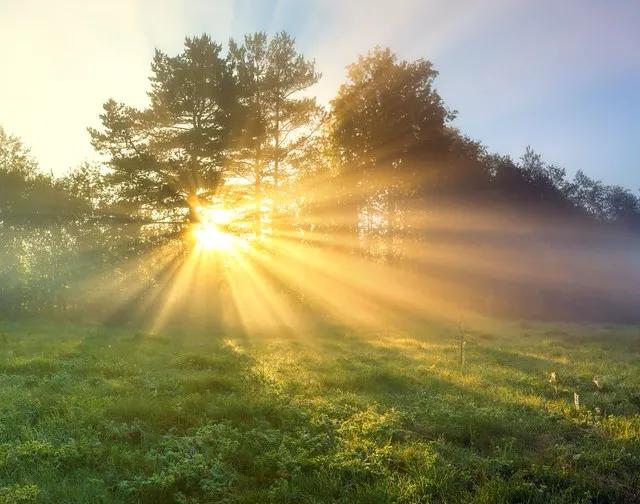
381,173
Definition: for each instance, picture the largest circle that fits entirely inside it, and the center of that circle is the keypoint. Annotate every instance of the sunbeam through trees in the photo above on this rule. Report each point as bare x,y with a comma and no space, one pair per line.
251,294
233,191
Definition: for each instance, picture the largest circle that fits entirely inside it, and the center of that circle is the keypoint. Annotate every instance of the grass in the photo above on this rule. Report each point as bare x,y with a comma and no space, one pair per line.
98,414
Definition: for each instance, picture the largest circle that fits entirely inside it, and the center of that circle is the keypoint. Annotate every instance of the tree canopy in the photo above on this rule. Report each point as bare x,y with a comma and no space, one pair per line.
174,152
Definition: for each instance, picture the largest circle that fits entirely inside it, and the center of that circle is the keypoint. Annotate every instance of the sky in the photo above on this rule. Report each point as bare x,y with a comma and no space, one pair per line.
560,76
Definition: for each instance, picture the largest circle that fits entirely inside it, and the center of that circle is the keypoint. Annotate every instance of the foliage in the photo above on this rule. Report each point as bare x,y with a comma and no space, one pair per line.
387,109
174,152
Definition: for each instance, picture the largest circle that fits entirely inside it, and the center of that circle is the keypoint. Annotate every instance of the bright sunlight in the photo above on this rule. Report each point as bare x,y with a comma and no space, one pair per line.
210,234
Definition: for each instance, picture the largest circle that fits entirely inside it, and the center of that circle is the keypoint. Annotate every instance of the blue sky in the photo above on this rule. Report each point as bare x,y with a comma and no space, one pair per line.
561,76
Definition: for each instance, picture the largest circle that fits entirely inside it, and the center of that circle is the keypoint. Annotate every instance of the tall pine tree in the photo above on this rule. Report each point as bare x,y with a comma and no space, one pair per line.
173,154
272,77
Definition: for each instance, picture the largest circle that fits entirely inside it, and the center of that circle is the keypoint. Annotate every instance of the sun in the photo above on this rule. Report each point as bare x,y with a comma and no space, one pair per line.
209,237
210,232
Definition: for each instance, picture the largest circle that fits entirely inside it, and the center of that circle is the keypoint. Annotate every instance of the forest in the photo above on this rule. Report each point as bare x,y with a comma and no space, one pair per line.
234,142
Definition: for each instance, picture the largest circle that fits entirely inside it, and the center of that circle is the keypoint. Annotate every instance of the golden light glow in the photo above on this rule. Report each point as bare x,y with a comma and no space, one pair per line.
216,215
237,270
210,233
210,238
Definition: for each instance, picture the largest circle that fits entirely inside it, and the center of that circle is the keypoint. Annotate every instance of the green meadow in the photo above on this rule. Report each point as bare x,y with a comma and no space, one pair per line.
537,413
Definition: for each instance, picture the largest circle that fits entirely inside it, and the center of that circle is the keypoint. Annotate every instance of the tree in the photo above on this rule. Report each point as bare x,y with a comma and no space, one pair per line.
622,206
88,182
389,126
14,156
271,75
26,194
17,170
39,221
545,182
173,154
588,194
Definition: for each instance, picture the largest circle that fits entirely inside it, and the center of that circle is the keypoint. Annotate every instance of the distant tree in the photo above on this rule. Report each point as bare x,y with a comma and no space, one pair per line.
278,118
173,154
588,194
17,171
604,202
622,206
87,181
508,181
40,223
28,195
545,183
14,156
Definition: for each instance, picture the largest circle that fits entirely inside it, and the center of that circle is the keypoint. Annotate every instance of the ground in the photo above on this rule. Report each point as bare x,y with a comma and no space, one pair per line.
92,413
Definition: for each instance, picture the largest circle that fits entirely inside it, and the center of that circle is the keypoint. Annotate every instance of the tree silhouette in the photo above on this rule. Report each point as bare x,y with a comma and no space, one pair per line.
174,153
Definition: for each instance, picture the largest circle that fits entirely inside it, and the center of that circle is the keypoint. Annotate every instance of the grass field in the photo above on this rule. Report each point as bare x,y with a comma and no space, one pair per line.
101,414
